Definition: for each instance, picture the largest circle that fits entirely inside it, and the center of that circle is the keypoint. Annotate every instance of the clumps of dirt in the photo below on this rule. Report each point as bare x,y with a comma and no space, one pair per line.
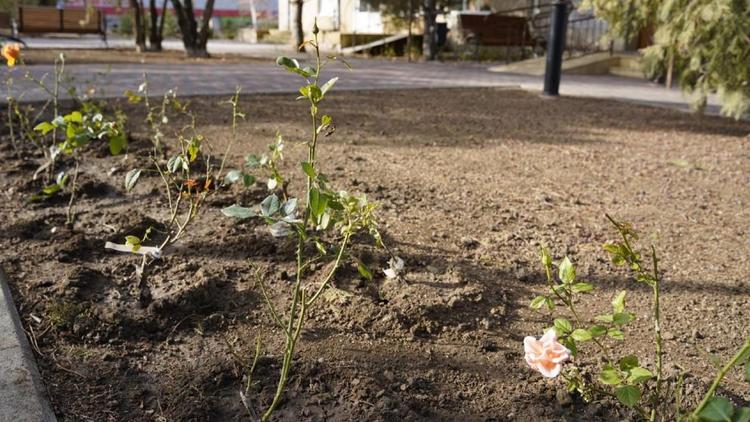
468,191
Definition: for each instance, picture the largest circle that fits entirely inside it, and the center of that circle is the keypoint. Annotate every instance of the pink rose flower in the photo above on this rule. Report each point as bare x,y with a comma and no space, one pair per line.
546,355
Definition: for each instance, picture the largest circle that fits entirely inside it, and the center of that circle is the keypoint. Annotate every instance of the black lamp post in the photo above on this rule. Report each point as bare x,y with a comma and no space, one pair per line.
555,48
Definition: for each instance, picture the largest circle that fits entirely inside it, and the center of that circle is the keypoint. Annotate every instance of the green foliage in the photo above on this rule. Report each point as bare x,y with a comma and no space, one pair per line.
706,41
84,125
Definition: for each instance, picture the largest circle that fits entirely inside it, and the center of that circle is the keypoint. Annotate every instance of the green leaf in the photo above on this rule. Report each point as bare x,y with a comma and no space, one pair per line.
719,409
616,334
546,258
550,303
538,302
618,303
176,163
289,207
566,271
237,211
131,178
318,202
312,92
622,318
604,318
563,326
232,176
628,362
610,377
741,414
252,161
597,331
326,120
639,374
134,242
194,148
44,127
364,271
292,65
327,86
747,371
270,206
582,287
571,345
308,169
581,335
75,117
248,180
628,395
117,143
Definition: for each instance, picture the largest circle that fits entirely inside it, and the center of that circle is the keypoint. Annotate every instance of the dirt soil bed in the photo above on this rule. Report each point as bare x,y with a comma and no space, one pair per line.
470,182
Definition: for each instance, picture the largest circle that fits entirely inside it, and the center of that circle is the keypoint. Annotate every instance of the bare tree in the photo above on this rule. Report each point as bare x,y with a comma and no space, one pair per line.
299,33
193,38
156,29
139,25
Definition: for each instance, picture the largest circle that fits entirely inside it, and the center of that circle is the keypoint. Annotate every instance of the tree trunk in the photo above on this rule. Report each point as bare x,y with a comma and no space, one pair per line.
139,25
156,28
299,33
429,43
195,41
204,31
410,36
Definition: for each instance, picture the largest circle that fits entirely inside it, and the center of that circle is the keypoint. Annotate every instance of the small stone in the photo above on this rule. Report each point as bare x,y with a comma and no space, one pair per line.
563,397
668,335
485,323
355,381
469,243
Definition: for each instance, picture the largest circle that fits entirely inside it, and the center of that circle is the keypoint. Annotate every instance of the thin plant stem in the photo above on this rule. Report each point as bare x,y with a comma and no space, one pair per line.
69,214
657,332
336,264
742,353
235,113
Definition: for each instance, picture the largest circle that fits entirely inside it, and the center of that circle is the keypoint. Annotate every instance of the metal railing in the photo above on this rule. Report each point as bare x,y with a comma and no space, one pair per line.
584,32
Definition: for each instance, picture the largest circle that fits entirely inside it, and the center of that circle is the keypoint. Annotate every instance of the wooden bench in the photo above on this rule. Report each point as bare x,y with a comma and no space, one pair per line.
487,29
42,20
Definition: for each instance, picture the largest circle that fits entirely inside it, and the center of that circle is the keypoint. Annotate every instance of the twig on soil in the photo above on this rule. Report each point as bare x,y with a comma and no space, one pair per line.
166,339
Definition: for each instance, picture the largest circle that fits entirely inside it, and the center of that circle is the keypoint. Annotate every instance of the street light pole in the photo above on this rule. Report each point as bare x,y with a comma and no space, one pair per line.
555,47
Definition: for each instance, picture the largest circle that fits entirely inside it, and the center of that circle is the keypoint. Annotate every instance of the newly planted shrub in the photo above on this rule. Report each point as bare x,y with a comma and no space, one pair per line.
620,376
79,128
187,173
324,219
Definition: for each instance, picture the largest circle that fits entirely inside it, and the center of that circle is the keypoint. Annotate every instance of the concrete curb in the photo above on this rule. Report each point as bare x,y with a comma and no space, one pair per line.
23,397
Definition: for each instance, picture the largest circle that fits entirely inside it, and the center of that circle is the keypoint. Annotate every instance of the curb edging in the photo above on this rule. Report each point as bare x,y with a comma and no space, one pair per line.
22,394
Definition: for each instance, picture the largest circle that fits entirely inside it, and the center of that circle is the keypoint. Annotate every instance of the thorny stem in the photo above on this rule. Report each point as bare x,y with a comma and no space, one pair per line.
271,307
69,214
568,301
292,333
657,332
10,99
258,347
330,275
235,113
720,376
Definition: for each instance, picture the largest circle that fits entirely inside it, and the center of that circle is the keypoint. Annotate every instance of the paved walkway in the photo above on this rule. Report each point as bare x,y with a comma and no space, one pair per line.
221,79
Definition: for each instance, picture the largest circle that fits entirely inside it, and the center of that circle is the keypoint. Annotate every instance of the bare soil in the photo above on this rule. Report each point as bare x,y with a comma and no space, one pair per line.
470,183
